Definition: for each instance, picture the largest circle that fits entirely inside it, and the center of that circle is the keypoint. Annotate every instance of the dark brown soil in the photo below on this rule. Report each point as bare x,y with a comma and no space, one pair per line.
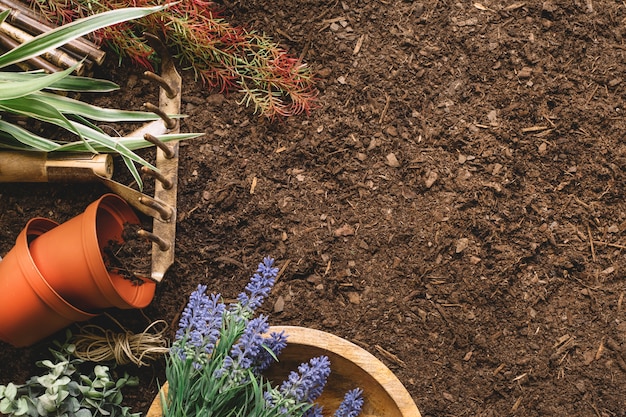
127,257
455,204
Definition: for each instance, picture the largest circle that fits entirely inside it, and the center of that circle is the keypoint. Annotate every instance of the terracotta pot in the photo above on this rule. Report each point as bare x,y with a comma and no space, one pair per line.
70,257
29,307
351,367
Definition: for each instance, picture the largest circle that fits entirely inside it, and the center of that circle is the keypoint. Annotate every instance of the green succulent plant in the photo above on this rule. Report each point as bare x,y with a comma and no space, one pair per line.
66,390
32,94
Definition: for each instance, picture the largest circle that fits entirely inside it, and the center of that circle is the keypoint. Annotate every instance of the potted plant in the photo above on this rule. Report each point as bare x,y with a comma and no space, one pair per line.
383,393
226,362
31,94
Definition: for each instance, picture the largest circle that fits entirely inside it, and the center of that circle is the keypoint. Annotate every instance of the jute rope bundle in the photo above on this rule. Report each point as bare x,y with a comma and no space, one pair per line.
97,344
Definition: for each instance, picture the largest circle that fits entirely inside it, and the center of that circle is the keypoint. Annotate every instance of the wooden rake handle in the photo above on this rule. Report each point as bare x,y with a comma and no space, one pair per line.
26,166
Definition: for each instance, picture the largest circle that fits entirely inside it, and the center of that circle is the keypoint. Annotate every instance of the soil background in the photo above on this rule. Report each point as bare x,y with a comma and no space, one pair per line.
454,204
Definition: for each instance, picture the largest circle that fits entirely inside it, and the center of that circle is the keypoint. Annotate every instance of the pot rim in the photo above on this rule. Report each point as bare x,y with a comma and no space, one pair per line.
367,362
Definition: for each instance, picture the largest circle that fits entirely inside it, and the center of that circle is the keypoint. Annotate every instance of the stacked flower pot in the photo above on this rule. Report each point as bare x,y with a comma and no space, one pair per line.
56,275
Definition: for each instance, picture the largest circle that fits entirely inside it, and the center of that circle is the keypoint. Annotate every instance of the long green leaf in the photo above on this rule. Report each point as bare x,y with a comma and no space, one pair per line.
23,88
29,139
66,33
69,83
133,170
31,107
86,122
71,106
112,144
4,15
130,142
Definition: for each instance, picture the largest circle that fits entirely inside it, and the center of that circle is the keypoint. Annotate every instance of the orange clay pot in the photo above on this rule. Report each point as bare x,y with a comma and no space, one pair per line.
70,257
29,307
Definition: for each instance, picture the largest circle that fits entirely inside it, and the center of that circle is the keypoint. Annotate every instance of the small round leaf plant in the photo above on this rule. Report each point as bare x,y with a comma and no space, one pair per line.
67,389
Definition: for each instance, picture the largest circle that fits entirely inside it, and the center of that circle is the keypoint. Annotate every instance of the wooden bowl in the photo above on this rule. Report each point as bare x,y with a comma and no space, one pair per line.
351,367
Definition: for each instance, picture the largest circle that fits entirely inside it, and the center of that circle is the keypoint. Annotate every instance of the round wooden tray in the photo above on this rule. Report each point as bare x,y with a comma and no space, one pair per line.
351,367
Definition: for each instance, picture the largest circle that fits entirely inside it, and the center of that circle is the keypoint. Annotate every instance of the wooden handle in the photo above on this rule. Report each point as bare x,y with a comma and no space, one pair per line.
46,167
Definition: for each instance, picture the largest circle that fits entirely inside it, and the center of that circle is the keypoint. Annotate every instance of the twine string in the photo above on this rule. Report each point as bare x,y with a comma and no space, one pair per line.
96,344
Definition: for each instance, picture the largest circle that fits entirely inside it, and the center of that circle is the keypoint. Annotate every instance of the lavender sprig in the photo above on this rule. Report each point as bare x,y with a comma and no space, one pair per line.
315,411
199,327
307,384
216,362
244,353
257,289
351,405
273,346
302,387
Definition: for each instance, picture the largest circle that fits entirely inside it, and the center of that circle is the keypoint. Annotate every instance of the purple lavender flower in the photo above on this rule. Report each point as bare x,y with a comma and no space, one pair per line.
273,345
315,411
244,353
259,286
250,344
351,405
200,324
307,384
195,305
277,402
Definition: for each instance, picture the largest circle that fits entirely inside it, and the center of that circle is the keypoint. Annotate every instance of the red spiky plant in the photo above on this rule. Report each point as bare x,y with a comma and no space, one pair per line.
223,56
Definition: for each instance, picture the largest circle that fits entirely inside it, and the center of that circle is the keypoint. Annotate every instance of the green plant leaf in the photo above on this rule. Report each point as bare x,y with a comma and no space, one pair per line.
47,380
73,405
4,15
21,407
85,379
131,142
6,406
11,90
69,83
83,412
94,395
46,404
133,170
36,109
116,398
91,403
66,33
10,391
112,144
71,348
63,381
63,395
121,382
103,411
70,106
46,363
131,381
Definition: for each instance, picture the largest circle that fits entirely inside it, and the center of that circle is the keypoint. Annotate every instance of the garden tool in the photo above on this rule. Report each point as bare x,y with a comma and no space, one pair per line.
16,166
19,166
27,166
